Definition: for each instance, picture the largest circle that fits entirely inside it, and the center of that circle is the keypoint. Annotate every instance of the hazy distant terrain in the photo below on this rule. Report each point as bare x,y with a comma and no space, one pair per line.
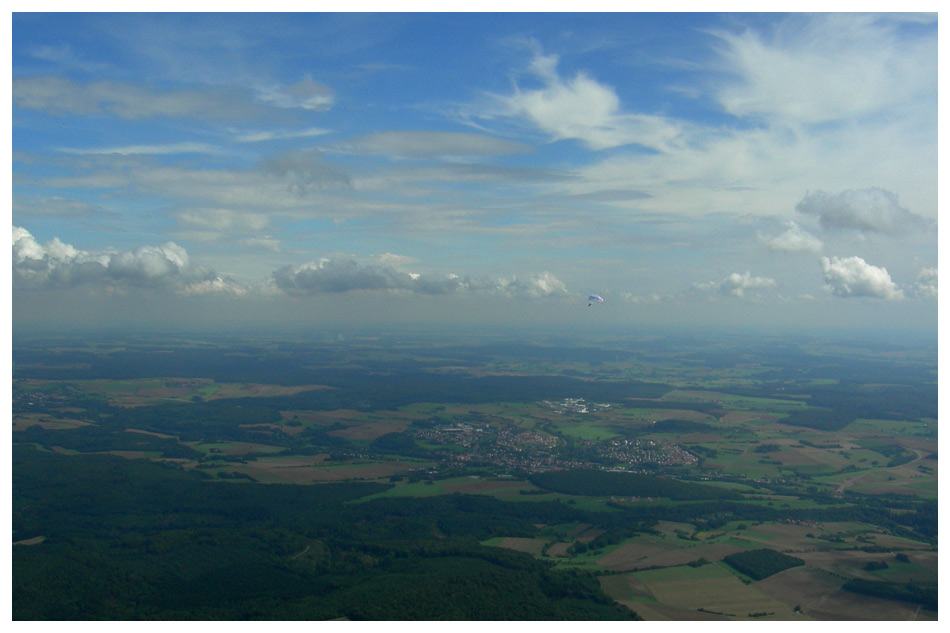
429,476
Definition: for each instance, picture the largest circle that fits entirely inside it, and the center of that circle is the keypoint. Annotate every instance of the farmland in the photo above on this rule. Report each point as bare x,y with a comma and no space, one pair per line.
634,468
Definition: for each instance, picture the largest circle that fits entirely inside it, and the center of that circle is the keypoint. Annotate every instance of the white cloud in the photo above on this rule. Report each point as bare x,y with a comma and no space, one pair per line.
854,277
306,94
827,67
277,135
736,285
793,240
581,108
59,265
216,286
871,210
340,275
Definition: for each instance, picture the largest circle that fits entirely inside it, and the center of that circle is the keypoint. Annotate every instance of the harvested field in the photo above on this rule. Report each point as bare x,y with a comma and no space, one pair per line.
781,536
559,550
370,430
308,470
851,563
136,393
800,586
529,545
633,554
622,559
662,612
846,605
713,589
588,535
25,421
742,417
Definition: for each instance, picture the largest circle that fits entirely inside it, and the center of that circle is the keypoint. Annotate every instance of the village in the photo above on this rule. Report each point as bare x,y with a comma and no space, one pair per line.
479,443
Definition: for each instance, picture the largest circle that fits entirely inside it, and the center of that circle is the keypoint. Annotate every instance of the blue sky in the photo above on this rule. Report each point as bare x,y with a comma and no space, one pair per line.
693,169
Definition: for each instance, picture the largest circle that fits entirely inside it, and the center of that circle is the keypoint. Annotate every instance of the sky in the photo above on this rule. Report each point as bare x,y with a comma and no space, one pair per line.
376,169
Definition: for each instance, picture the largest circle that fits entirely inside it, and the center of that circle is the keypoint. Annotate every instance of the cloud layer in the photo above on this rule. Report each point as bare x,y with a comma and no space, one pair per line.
871,210
338,275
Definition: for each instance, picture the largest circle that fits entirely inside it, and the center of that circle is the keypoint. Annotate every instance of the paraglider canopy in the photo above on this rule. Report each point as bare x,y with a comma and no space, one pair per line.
594,299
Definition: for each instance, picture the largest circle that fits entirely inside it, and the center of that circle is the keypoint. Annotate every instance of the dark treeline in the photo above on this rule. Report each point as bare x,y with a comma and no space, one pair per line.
762,563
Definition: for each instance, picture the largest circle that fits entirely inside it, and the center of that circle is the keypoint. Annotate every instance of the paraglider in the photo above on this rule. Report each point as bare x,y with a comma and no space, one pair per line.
594,299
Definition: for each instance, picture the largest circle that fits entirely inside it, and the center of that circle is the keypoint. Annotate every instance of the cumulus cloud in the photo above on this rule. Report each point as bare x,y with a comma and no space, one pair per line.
339,275
216,286
868,210
582,108
926,284
793,240
854,277
59,265
736,285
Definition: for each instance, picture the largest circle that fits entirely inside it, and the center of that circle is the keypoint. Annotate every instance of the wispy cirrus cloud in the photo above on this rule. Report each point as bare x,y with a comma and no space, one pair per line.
153,150
306,95
818,68
59,95
579,108
279,135
429,144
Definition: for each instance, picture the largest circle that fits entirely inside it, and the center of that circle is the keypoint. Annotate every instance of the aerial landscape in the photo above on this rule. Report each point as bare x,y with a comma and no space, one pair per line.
474,316
660,476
